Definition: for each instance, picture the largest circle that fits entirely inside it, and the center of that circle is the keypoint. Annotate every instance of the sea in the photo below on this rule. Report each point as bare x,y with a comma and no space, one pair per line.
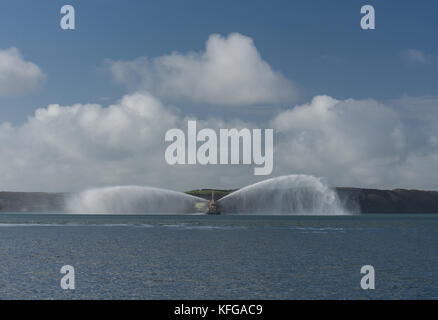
218,257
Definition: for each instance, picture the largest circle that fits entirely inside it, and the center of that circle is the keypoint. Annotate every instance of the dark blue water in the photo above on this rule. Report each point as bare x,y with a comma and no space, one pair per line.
218,257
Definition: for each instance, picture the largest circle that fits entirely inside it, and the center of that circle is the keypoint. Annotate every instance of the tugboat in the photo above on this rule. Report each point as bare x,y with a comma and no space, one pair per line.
213,207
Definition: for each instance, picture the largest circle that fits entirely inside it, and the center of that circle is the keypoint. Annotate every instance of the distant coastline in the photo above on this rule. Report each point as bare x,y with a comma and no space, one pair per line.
368,201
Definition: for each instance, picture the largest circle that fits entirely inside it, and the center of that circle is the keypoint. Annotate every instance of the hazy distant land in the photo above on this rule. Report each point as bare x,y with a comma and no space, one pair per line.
367,200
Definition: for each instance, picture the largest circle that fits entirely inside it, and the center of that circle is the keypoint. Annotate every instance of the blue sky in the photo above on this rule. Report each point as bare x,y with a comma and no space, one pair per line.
317,44
90,107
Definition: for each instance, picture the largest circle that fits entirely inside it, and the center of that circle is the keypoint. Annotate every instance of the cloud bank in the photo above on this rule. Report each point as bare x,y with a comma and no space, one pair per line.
362,143
17,76
230,72
350,142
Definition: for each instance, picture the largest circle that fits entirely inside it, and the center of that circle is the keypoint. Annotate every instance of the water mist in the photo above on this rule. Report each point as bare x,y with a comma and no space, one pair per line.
292,194
133,200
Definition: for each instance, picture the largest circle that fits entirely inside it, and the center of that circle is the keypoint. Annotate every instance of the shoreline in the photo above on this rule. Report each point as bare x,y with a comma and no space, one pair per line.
366,201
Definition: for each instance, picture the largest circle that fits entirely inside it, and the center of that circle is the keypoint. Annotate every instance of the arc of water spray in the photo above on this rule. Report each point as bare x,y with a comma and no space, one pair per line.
291,194
133,200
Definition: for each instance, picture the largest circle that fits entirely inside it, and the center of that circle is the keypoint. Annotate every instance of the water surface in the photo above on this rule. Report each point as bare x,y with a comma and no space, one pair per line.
218,257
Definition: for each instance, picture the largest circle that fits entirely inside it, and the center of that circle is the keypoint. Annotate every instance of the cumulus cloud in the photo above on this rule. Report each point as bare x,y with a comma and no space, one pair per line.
361,142
71,146
17,76
350,142
230,72
67,148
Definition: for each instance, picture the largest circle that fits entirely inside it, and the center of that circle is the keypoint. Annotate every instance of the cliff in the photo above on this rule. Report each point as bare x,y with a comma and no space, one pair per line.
389,201
31,202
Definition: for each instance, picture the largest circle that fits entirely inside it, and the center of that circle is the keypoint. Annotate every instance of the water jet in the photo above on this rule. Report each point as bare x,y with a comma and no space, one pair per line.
134,200
292,194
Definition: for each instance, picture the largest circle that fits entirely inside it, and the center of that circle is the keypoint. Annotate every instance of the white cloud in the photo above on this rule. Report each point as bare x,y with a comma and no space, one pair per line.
230,72
361,142
67,148
17,76
415,56
350,142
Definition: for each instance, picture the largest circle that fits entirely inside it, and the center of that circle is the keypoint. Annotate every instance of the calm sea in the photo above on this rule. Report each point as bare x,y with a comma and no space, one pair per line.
218,257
